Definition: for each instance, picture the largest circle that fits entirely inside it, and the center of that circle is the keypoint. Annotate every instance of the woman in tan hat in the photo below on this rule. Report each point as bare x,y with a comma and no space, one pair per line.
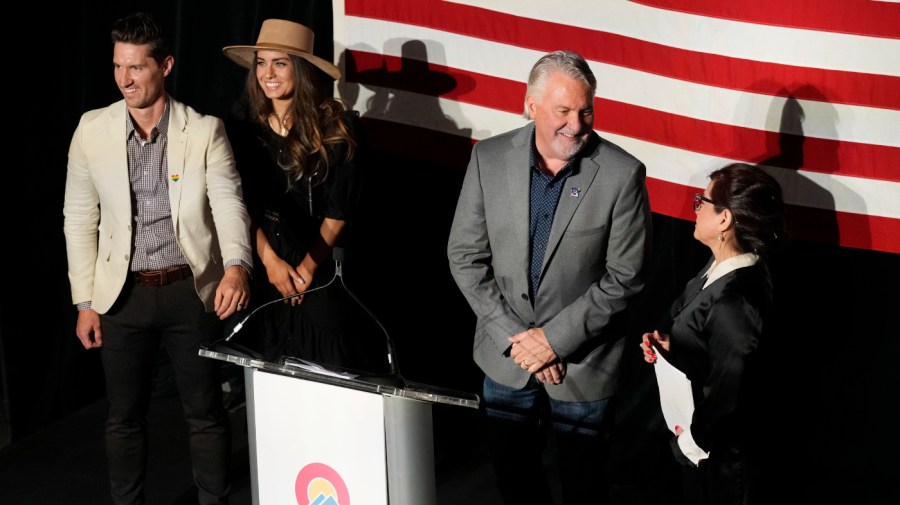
297,155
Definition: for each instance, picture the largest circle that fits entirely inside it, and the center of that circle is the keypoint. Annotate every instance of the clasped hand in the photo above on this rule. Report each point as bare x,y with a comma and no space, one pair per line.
288,280
531,350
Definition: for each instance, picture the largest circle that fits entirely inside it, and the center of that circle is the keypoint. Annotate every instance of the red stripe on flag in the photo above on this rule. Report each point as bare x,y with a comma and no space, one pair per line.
469,87
859,17
822,226
748,144
452,152
682,132
854,88
430,79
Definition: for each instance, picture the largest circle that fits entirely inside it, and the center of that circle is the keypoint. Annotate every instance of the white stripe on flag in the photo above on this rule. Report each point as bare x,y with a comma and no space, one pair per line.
850,194
664,163
478,122
738,108
736,39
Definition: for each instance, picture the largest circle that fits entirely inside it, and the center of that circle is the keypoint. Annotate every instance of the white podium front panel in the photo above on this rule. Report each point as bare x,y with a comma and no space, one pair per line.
315,443
329,436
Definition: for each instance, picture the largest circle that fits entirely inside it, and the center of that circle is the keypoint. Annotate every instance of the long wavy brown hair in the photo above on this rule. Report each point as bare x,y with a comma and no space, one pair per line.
317,124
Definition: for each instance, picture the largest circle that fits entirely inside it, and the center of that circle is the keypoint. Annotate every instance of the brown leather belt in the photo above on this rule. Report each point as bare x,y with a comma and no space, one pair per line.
162,277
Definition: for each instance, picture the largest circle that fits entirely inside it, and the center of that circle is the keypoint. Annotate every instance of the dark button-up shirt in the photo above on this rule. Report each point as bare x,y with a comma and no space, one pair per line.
545,191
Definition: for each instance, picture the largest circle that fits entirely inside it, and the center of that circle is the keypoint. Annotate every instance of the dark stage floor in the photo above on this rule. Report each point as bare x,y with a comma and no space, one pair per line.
64,464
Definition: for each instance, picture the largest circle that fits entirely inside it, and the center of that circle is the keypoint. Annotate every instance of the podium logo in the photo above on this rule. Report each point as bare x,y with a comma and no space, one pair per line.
319,484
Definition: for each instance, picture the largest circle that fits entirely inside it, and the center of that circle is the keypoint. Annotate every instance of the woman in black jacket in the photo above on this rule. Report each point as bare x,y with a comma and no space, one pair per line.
714,329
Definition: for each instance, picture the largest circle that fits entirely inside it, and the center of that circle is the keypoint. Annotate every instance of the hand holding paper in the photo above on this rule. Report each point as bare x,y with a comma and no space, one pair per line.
651,340
675,396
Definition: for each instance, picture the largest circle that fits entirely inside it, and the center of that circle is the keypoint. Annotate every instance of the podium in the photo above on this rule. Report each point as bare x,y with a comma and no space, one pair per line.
323,436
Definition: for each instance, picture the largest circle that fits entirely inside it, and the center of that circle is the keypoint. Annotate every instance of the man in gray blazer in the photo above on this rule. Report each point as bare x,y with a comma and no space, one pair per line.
550,234
158,244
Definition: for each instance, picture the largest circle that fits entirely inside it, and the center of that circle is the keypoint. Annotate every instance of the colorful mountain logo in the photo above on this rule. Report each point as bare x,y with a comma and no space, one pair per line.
319,484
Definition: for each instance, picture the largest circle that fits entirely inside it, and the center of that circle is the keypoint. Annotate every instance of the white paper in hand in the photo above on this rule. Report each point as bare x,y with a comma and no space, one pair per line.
675,395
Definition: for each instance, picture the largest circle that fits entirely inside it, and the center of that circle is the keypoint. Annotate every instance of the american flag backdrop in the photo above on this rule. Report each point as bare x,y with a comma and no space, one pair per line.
810,89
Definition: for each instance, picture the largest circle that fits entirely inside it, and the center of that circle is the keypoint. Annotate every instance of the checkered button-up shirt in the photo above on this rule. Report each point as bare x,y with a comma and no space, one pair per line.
148,169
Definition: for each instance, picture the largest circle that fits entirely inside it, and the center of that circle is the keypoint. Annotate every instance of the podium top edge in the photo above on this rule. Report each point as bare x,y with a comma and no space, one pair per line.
409,390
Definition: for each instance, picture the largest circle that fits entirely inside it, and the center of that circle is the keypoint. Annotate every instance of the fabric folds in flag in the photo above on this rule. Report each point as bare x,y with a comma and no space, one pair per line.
809,90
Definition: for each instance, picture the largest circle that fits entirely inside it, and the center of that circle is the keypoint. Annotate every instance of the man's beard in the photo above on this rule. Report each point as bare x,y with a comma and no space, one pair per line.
568,149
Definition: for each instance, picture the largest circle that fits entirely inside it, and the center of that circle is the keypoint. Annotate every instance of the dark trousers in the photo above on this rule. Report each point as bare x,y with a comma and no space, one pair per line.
516,432
726,478
143,319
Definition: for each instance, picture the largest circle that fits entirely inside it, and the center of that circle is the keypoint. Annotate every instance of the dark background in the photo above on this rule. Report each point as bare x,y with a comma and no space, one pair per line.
830,376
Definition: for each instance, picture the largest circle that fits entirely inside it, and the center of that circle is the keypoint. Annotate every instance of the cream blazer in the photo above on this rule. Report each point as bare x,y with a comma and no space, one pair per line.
208,212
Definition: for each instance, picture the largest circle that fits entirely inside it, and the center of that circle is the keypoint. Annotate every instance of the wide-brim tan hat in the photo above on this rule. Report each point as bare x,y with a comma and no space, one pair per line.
285,36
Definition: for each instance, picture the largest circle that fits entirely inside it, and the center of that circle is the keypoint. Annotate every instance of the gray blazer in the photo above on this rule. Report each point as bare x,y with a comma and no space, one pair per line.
599,242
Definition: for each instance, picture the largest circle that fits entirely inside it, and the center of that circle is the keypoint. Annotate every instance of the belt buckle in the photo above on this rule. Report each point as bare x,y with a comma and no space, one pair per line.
161,277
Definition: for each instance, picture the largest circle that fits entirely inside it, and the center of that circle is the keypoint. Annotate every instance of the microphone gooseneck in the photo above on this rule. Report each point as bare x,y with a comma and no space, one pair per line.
240,325
393,378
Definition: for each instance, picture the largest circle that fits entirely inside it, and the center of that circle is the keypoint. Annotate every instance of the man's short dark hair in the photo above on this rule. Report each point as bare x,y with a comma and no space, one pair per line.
139,29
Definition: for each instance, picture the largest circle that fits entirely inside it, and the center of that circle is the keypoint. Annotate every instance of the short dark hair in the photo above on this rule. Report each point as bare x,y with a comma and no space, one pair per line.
754,199
139,29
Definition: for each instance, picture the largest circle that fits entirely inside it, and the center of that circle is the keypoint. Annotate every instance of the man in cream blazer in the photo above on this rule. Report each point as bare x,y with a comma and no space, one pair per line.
551,231
207,208
158,245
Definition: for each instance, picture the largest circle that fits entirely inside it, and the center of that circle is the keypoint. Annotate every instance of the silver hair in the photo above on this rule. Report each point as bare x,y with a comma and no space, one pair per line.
570,63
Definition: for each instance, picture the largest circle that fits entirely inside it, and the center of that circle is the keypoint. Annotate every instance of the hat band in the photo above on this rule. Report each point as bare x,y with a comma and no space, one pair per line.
271,46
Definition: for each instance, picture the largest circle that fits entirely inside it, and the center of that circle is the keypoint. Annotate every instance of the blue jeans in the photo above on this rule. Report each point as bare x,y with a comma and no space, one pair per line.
517,432
144,318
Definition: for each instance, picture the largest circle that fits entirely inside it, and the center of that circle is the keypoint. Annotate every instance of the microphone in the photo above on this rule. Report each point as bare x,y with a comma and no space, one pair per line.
393,378
240,325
